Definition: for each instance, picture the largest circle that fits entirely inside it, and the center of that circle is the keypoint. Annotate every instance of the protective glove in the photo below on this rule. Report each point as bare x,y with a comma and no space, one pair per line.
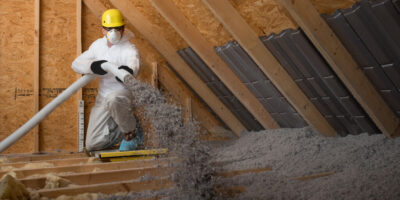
126,68
96,67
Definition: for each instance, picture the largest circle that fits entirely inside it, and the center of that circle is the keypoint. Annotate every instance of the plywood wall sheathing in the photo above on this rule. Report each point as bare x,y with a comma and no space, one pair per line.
329,6
16,64
264,16
58,50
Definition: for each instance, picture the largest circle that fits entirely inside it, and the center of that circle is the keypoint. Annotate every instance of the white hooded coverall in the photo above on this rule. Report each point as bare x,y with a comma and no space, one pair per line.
112,114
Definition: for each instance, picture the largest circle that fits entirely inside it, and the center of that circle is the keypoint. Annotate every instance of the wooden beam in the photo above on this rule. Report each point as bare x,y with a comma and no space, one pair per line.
79,36
249,40
173,83
154,36
36,66
41,154
229,174
331,48
90,178
310,177
229,192
58,162
154,74
188,109
46,157
206,51
80,118
90,167
110,188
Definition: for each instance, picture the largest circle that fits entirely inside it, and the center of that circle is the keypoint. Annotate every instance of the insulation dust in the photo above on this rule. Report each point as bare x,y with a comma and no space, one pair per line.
33,194
307,165
12,189
6,168
53,181
193,176
4,159
304,164
84,196
96,169
272,164
93,160
138,195
37,165
10,173
44,175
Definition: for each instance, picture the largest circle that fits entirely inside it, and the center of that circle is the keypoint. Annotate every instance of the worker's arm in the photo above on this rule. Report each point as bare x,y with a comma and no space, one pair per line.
133,60
86,63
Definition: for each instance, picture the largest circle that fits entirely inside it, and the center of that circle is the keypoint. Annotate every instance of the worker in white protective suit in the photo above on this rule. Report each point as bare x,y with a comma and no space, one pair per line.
111,119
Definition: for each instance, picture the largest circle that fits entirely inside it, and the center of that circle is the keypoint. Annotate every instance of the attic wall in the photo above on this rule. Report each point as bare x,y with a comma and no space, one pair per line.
58,50
16,64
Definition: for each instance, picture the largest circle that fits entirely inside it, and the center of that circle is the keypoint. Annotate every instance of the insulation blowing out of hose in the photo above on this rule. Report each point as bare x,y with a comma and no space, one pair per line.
193,174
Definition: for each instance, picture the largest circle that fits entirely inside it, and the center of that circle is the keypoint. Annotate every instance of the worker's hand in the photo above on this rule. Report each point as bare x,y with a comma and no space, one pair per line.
129,136
126,68
96,67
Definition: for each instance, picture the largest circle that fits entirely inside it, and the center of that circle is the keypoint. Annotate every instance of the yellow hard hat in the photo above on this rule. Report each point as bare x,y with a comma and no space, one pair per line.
112,18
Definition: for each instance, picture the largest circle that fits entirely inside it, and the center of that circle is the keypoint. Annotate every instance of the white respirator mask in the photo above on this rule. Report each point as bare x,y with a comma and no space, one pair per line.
114,36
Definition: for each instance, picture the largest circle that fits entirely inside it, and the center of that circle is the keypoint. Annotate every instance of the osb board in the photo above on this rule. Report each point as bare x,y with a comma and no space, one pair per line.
155,18
329,6
16,64
57,51
264,16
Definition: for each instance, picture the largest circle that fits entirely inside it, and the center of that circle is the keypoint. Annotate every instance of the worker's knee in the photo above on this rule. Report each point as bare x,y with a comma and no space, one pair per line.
96,143
92,146
120,98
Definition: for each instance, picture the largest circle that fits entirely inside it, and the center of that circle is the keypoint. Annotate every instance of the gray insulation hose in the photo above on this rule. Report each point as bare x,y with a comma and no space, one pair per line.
44,112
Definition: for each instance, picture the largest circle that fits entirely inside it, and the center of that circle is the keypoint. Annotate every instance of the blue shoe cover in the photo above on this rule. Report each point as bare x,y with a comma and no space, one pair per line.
128,145
132,144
